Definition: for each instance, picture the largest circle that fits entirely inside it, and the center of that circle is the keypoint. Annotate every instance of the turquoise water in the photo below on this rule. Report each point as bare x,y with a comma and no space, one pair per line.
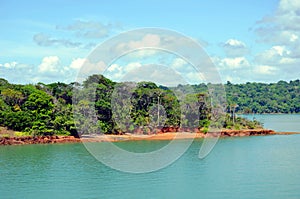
278,122
266,167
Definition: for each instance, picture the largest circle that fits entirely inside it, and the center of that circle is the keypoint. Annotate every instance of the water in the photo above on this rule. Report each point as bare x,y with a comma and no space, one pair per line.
278,122
266,167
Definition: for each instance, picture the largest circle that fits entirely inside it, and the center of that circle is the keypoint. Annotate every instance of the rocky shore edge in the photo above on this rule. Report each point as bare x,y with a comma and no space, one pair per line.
115,138
38,140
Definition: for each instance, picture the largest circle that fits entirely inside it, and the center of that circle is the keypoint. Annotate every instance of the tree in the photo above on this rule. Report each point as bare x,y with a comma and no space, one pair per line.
12,97
204,111
39,104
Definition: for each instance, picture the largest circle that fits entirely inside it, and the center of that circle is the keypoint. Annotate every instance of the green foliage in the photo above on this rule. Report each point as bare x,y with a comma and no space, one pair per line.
43,109
11,97
37,109
281,97
18,121
21,134
241,123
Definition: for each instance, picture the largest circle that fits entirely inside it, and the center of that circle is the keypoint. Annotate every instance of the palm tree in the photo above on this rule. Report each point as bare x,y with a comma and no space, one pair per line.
232,110
159,93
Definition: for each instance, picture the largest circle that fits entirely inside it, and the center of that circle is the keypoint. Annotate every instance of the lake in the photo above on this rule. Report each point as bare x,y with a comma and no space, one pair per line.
266,167
277,122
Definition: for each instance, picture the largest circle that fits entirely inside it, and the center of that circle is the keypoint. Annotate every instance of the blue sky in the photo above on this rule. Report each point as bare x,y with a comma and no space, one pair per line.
47,41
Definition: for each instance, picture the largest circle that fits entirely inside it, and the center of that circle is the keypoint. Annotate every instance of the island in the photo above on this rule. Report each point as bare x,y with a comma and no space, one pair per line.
62,113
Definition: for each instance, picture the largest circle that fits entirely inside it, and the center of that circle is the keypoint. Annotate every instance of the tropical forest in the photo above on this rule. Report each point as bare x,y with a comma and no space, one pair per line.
70,109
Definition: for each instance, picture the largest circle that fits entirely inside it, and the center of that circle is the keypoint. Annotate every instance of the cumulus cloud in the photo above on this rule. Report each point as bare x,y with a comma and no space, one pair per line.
234,69
136,71
235,48
117,71
50,64
132,66
280,31
156,73
114,67
9,64
84,67
77,63
282,27
276,55
49,70
234,63
42,39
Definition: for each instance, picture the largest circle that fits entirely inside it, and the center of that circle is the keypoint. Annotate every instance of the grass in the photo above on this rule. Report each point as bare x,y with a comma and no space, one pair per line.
21,134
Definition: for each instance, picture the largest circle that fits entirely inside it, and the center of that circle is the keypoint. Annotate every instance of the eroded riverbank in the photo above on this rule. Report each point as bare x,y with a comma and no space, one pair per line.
132,137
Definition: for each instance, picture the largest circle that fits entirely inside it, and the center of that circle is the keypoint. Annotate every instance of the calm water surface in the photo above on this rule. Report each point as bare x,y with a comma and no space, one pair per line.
278,122
251,167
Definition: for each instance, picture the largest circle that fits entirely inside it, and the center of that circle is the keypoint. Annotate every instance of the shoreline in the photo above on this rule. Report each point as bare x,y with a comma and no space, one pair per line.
135,137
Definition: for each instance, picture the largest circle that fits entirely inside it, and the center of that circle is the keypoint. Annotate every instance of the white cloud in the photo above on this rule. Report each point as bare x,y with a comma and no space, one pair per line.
132,66
114,67
235,48
156,73
116,71
287,61
265,70
89,68
234,63
9,64
49,64
280,50
85,66
77,63
293,38
147,40
235,43
282,27
46,72
276,55
287,6
179,63
272,53
51,69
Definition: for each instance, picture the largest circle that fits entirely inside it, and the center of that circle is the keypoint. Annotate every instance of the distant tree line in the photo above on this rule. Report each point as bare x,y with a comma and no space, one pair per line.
280,97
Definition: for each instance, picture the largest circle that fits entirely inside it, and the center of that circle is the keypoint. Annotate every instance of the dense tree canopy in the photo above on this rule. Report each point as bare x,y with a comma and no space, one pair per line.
281,97
101,105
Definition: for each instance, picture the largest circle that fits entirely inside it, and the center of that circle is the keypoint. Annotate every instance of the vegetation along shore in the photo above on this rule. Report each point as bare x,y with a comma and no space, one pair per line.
59,112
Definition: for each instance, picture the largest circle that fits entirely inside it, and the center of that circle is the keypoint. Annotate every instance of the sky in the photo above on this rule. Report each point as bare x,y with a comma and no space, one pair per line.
247,41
